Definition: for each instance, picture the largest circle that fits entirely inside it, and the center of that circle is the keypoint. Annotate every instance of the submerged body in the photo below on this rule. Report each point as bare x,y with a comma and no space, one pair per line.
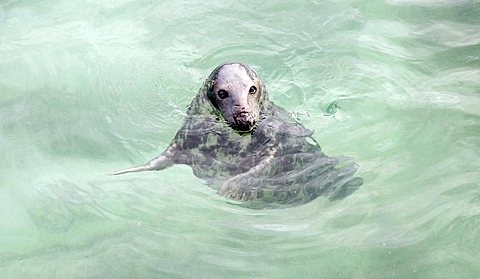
251,150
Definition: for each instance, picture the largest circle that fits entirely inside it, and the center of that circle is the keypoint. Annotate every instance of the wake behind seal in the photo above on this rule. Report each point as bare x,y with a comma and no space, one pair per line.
251,150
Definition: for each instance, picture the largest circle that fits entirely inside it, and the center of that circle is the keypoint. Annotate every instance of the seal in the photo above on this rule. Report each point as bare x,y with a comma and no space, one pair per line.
250,149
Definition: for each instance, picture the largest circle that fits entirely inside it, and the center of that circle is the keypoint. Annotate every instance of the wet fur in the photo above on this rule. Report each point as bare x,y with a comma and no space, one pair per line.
272,161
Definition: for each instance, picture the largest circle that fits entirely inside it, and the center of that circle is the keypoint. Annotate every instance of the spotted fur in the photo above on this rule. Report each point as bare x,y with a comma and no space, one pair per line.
251,150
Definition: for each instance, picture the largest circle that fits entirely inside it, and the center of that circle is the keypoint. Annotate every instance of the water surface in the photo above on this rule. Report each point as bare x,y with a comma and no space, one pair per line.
91,87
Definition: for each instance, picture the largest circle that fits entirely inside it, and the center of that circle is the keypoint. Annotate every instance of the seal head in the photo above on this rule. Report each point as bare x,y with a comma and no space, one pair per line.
235,90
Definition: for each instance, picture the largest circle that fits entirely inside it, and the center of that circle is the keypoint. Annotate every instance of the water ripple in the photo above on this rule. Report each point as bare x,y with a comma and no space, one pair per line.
87,88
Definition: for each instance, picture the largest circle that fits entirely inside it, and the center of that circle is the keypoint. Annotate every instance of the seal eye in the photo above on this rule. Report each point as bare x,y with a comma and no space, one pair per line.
222,94
253,90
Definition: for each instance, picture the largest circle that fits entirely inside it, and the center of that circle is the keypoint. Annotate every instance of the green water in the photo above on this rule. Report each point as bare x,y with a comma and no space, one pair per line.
88,87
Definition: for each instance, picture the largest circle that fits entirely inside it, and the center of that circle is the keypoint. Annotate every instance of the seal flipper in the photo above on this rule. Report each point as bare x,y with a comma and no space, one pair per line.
161,162
238,188
134,169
